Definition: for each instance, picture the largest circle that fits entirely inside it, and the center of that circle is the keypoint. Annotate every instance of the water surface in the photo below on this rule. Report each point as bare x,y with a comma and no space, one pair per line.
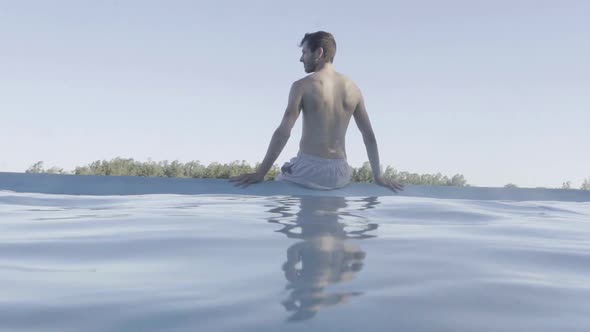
313,263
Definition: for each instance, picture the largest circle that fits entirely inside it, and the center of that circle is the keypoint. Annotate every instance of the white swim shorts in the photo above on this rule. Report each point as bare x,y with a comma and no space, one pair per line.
316,172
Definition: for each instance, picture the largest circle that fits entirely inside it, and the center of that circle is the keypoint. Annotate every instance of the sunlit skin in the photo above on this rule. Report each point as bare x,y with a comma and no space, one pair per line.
328,101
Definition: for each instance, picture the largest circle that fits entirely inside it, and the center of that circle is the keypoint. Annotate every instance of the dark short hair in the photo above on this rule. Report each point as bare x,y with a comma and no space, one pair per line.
321,39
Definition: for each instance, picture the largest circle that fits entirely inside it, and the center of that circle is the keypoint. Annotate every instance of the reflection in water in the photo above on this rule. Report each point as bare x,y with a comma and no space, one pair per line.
324,256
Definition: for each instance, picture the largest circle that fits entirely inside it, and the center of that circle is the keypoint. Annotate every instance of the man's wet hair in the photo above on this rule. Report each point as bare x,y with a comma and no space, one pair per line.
321,39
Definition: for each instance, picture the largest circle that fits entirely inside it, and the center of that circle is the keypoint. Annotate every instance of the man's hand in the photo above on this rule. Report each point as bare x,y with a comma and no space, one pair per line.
247,179
391,184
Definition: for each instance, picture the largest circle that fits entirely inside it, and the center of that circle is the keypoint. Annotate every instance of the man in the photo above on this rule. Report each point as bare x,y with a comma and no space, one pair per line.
328,100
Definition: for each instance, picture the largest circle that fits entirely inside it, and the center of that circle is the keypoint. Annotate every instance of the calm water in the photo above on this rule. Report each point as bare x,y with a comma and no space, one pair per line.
253,263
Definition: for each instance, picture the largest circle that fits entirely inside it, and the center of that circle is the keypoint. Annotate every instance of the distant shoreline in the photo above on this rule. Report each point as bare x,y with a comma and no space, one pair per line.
215,170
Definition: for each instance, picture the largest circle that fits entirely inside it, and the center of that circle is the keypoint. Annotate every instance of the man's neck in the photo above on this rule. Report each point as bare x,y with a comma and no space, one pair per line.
325,67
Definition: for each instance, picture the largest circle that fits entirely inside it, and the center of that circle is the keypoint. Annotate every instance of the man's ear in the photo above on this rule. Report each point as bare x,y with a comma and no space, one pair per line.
320,52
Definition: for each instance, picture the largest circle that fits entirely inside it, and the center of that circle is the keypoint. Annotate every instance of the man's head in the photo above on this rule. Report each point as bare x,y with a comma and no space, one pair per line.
318,48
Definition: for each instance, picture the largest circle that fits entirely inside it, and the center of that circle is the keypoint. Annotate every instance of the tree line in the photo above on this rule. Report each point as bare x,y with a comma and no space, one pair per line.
565,185
194,169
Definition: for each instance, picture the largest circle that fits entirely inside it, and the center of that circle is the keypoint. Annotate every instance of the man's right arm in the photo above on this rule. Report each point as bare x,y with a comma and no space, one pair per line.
361,117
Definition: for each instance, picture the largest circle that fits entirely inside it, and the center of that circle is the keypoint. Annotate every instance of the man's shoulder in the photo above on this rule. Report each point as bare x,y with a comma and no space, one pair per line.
314,77
304,80
347,80
298,86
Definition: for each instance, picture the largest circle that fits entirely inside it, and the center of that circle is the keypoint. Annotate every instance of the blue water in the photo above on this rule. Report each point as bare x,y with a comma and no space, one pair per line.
283,263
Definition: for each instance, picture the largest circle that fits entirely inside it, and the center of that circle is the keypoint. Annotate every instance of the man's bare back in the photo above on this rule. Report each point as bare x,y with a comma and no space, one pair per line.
328,100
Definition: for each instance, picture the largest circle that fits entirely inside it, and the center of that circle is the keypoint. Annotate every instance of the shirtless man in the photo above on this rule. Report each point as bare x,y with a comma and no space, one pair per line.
328,100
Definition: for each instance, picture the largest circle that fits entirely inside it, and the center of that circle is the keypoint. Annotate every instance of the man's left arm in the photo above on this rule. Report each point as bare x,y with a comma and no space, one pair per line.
279,138
283,132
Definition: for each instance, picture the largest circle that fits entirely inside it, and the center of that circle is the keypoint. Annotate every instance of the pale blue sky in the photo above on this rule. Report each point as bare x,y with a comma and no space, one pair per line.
495,90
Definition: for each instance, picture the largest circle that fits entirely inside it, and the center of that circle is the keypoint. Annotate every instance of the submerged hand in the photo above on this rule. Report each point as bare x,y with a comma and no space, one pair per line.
247,179
388,183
